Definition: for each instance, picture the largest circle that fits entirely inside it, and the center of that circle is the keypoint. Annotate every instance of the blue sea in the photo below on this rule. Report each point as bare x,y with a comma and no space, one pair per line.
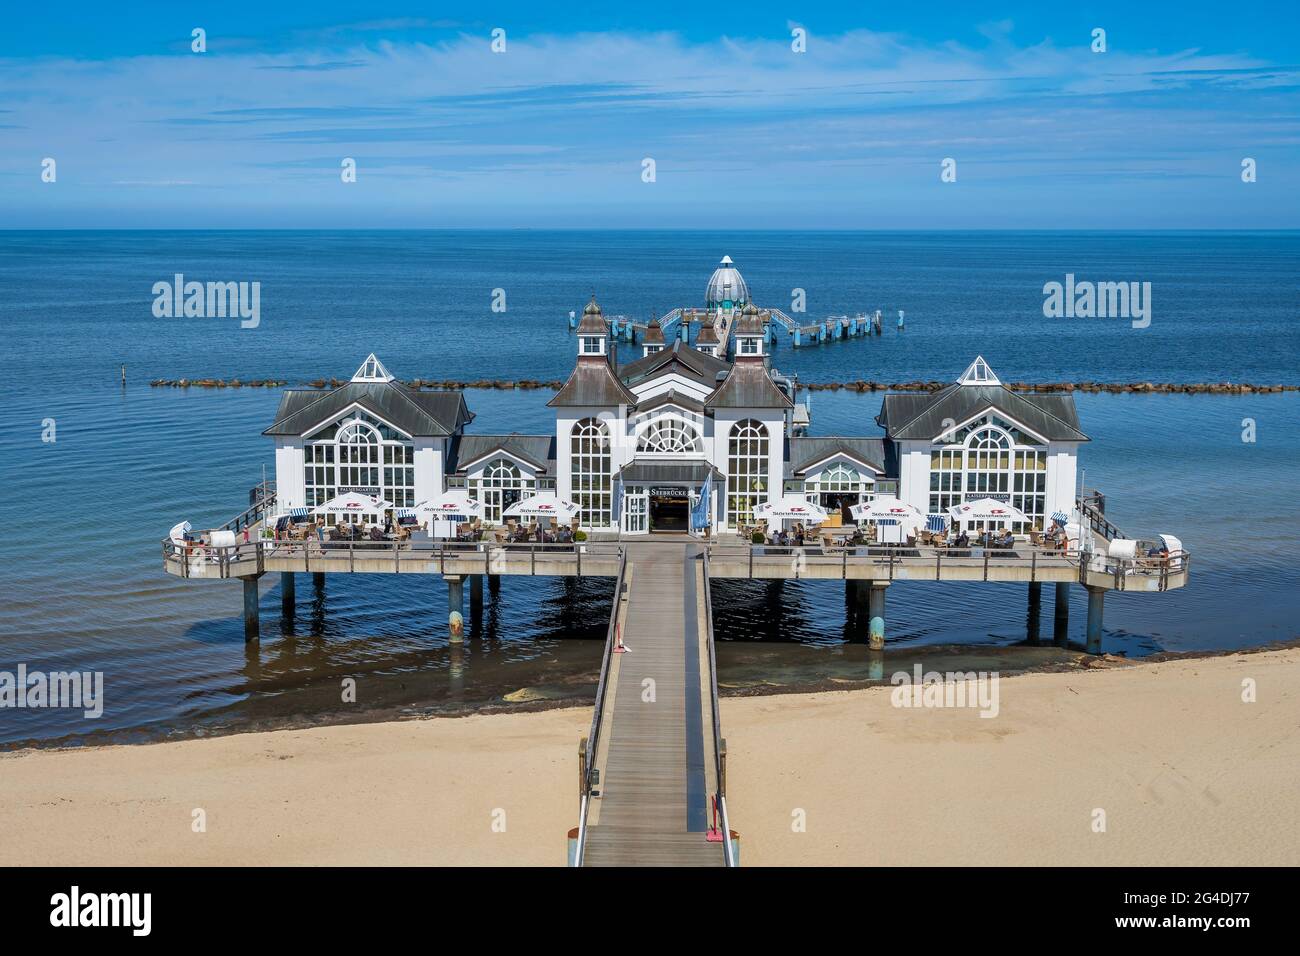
81,559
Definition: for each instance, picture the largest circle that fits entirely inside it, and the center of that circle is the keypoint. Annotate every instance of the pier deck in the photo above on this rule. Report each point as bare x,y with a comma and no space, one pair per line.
656,754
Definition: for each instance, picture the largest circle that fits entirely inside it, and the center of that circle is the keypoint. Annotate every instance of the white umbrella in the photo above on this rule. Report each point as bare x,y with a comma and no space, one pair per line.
177,533
352,503
543,506
887,508
791,506
987,509
451,503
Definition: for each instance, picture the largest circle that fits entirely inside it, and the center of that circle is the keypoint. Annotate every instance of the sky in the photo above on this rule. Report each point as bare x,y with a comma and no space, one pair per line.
559,126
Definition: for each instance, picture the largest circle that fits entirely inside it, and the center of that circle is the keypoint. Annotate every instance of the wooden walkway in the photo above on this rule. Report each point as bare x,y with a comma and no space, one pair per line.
656,753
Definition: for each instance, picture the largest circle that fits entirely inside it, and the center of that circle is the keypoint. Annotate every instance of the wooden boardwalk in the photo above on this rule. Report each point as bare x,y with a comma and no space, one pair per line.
656,754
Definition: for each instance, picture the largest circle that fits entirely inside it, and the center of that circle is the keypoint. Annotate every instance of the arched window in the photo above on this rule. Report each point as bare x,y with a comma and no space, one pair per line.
590,467
990,461
670,436
747,453
501,485
359,454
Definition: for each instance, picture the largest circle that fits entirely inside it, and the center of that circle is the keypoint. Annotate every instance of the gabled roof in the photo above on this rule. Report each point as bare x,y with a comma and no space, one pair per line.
418,414
654,333
680,359
806,452
537,450
593,382
748,385
670,397
924,417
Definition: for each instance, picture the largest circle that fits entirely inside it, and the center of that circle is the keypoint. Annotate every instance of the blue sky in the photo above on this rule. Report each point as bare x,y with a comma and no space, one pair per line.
744,131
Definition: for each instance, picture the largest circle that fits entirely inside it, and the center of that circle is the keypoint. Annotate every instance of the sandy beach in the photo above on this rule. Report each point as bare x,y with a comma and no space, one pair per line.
1184,770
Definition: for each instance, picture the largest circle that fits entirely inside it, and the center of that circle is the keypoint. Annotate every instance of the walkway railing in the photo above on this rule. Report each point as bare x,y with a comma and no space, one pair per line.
592,743
719,745
811,561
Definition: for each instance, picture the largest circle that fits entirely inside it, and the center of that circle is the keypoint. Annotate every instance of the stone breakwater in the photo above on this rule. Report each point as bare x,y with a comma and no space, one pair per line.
1153,388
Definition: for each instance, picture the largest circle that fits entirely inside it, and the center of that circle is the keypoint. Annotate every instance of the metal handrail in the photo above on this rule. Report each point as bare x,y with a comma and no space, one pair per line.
598,712
719,768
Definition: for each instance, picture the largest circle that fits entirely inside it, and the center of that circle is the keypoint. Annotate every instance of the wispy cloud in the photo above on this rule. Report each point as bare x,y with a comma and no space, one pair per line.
563,121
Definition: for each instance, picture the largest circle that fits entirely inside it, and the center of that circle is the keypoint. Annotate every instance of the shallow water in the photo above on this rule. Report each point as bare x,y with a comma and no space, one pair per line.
82,563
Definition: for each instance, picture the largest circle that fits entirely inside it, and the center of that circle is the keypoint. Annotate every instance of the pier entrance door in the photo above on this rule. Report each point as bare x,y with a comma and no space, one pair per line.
636,514
670,509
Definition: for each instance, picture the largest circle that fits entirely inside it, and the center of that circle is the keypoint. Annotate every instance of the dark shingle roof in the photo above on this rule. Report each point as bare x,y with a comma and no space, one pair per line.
682,359
670,397
669,472
923,416
537,450
805,452
593,382
748,385
417,413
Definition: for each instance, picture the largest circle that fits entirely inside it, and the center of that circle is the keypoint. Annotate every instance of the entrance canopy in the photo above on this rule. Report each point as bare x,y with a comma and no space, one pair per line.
352,503
987,509
543,506
790,507
450,504
887,508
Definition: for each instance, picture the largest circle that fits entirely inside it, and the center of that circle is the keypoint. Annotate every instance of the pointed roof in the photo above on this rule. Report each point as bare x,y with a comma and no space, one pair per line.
708,334
925,417
593,382
654,333
593,321
978,373
748,385
749,323
537,451
417,413
372,370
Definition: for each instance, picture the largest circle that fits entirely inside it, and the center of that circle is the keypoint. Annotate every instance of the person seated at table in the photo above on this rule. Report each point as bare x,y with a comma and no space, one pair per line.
799,537
565,535
1006,539
963,539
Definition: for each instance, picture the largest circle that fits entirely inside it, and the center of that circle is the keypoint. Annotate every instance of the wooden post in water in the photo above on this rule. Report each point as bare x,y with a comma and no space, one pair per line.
456,607
476,596
252,630
876,616
1061,625
1035,606
1096,603
288,600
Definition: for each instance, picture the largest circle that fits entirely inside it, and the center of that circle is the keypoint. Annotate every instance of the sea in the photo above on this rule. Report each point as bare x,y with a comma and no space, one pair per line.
99,466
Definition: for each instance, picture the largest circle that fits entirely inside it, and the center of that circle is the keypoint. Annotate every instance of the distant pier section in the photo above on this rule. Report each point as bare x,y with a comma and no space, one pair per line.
709,328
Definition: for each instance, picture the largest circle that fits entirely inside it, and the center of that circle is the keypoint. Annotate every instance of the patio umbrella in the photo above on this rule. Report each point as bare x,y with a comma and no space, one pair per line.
352,503
450,505
177,533
987,509
791,506
543,506
887,508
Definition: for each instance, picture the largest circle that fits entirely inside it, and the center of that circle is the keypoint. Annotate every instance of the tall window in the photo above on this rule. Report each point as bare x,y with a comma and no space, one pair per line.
590,467
747,451
669,436
361,454
991,460
501,485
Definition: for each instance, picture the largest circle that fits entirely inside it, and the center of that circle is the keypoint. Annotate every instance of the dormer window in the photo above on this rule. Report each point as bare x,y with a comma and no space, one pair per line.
748,346
651,349
593,345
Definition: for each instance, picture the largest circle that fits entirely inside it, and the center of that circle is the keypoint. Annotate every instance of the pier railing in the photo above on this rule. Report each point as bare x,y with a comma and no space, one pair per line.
728,560
592,743
719,745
